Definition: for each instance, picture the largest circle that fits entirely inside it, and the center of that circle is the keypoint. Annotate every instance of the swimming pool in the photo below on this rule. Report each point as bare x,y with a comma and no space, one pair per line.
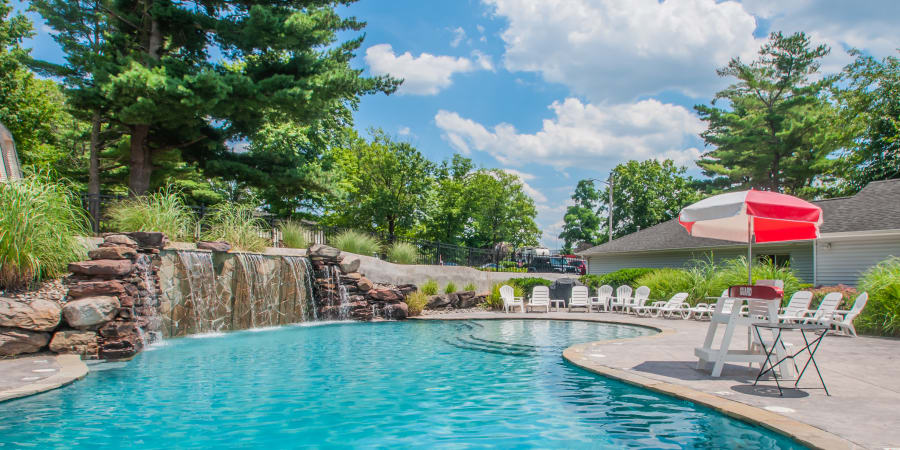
396,384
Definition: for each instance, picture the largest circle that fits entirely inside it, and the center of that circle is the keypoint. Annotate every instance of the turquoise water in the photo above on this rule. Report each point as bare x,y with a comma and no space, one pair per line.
397,384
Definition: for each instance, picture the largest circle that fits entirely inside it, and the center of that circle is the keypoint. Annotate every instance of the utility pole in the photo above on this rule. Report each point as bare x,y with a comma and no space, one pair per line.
610,184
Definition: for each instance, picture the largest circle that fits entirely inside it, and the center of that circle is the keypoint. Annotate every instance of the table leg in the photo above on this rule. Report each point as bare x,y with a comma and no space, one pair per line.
763,370
812,359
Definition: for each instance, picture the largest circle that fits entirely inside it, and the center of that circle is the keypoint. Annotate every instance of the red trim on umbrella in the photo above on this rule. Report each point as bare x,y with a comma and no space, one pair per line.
780,206
773,230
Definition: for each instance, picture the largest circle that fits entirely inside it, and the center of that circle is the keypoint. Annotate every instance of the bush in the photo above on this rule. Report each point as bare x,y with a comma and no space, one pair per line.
734,272
881,315
293,235
403,253
355,242
470,287
40,225
615,279
848,292
664,283
527,284
430,287
450,288
162,211
416,302
495,302
236,224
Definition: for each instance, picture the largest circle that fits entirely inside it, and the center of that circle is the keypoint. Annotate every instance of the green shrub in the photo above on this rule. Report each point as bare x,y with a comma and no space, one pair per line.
849,294
236,224
293,235
881,315
495,302
470,287
403,253
664,283
430,287
450,288
40,227
734,272
527,284
416,302
162,211
615,279
355,242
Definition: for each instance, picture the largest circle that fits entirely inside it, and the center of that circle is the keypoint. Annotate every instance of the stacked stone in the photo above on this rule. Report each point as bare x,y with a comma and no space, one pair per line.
456,300
113,299
25,326
367,299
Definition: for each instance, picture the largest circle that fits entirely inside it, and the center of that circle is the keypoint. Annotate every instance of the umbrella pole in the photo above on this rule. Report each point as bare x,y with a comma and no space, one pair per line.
750,251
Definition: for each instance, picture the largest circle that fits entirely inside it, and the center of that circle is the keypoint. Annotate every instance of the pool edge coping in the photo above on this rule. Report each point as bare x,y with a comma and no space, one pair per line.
71,369
801,432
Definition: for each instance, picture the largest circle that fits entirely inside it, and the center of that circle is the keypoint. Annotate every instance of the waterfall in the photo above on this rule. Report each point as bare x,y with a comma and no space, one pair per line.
304,297
257,298
203,310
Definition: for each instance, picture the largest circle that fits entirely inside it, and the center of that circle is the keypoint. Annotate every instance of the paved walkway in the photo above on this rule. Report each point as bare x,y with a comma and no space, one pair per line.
862,374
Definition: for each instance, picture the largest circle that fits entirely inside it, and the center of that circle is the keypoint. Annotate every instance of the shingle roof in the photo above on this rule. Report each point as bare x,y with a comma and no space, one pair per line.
875,207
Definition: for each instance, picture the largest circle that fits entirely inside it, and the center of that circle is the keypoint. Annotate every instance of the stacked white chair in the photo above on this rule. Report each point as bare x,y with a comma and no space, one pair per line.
604,294
579,298
507,294
540,298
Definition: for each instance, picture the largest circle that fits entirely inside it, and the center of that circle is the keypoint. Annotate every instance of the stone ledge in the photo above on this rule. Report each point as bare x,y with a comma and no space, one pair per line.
71,369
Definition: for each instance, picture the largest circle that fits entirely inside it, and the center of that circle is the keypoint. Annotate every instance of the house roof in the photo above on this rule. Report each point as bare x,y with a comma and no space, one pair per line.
875,207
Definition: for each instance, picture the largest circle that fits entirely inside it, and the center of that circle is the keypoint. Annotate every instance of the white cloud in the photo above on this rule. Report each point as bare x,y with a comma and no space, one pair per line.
483,61
615,51
459,34
425,74
535,194
403,131
583,135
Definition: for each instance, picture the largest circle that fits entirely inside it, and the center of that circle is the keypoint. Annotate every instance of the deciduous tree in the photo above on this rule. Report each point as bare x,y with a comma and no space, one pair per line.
582,221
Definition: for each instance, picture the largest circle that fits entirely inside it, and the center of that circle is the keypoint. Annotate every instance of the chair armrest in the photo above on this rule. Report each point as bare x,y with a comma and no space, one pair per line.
518,298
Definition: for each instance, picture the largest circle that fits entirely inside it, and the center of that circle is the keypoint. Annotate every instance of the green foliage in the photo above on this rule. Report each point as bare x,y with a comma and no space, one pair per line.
450,288
849,294
498,210
40,229
773,134
664,283
403,253
882,313
494,301
430,287
582,221
504,269
237,224
416,302
355,242
615,279
734,271
527,284
470,287
293,235
162,211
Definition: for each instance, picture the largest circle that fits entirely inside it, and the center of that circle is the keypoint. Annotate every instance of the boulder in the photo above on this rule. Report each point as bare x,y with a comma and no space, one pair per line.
108,267
407,289
397,311
364,284
90,311
74,341
466,299
15,341
149,239
216,246
439,301
349,264
38,315
117,329
324,251
453,299
94,288
119,239
387,295
113,252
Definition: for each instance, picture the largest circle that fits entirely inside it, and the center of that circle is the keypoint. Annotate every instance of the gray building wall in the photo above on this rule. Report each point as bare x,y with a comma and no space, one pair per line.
843,260
801,255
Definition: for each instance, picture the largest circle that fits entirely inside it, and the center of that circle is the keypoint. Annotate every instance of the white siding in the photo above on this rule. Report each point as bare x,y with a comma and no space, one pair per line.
842,261
801,258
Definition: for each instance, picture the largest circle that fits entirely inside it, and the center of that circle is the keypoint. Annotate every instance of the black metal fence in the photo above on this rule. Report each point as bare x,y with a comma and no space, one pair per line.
501,258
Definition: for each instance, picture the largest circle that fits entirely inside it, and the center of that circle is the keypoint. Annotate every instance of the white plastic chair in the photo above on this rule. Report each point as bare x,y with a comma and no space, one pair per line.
579,298
798,304
842,320
604,293
701,310
623,296
640,298
540,298
826,309
675,304
507,294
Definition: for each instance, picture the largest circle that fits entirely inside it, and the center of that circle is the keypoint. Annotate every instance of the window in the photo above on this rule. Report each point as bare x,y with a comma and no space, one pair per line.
778,260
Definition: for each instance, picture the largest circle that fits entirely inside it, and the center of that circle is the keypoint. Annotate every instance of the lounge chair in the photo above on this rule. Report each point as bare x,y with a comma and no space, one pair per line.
507,294
623,296
701,310
842,320
675,304
640,298
579,298
798,304
540,298
827,307
604,293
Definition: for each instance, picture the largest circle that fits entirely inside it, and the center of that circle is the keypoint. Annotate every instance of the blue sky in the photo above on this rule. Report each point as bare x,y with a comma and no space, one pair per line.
557,91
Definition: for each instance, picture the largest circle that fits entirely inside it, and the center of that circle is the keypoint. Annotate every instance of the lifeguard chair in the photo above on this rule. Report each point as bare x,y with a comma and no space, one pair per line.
762,306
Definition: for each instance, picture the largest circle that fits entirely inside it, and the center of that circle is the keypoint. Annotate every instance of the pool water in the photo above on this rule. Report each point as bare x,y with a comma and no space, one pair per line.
395,384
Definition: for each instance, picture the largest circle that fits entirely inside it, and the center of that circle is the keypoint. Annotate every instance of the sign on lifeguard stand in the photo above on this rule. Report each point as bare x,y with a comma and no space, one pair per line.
728,313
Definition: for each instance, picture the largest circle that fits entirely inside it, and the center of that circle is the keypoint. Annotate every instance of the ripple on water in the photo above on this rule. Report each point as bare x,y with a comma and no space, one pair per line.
393,384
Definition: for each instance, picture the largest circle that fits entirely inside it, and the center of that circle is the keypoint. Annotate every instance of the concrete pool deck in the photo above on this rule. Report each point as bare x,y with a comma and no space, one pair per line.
21,377
862,374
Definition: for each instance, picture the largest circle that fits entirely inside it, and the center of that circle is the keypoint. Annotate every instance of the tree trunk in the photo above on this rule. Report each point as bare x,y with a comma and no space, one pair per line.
141,162
94,172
